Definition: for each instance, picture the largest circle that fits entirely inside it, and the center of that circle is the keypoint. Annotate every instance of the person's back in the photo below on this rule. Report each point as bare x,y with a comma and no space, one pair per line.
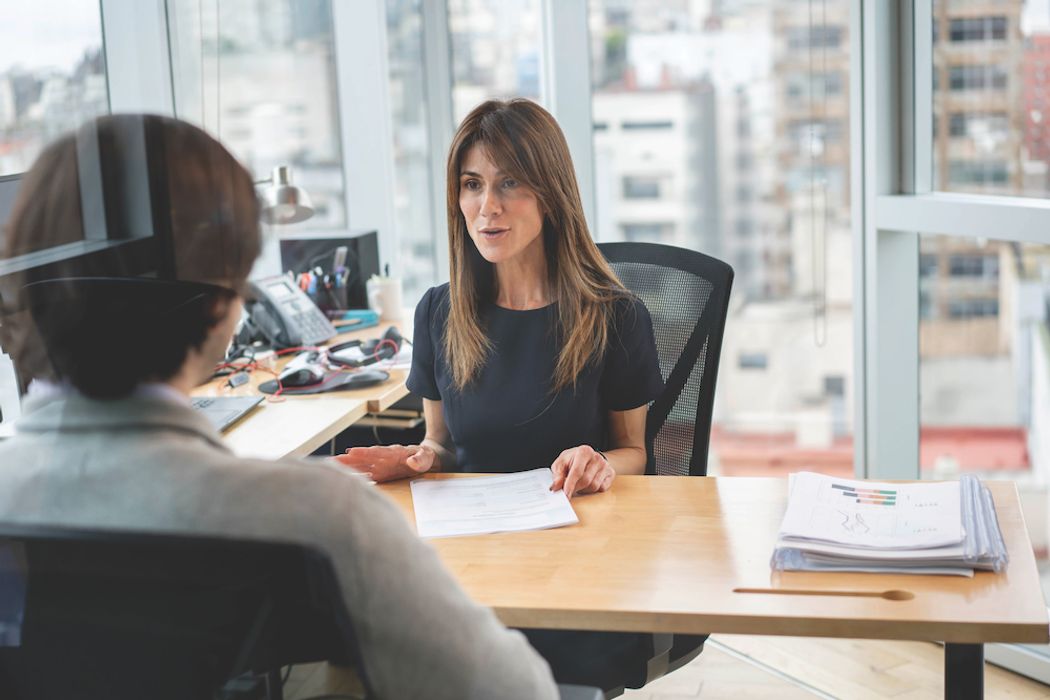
149,464
109,441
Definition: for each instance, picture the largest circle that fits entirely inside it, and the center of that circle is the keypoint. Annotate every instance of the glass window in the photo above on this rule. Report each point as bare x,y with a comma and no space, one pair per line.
52,76
990,98
978,29
641,187
408,113
260,76
647,125
985,371
814,37
649,232
753,108
753,360
495,51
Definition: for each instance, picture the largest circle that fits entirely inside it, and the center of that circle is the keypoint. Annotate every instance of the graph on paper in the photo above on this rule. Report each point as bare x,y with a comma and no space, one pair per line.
872,514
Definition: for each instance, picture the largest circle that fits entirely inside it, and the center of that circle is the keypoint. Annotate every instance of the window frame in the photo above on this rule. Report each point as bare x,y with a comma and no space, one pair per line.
138,75
900,206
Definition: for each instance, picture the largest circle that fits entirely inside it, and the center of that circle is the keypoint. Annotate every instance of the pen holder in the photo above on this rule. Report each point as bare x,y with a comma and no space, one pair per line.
329,298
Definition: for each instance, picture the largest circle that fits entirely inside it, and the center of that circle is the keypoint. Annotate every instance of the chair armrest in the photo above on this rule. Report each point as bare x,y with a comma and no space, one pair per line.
579,692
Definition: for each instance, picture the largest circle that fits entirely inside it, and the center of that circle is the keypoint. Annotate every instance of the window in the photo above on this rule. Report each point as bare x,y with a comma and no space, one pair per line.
973,266
928,265
979,77
52,76
973,308
978,29
752,360
815,37
835,386
989,100
978,173
641,187
495,51
52,79
261,79
993,126
647,233
755,135
413,207
647,126
802,86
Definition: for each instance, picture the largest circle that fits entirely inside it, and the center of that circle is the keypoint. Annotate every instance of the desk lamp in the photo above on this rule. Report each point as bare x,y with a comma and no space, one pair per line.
283,202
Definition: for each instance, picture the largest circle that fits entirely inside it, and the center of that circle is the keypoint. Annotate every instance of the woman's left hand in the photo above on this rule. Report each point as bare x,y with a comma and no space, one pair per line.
581,470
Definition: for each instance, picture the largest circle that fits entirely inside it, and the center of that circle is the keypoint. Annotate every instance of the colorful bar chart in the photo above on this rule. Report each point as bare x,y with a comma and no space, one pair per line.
874,497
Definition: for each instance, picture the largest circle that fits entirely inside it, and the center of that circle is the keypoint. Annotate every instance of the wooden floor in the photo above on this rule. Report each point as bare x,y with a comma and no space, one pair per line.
786,668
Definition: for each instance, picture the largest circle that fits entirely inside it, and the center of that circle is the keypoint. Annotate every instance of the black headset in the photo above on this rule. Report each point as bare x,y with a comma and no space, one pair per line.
374,350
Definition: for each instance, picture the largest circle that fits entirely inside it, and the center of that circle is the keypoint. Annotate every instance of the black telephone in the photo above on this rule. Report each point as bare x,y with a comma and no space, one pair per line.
284,315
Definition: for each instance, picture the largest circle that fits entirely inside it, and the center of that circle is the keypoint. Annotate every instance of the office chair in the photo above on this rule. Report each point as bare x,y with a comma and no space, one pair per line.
687,295
121,615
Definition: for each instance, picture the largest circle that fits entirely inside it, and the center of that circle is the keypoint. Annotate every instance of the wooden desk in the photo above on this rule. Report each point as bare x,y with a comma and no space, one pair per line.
675,554
377,398
292,428
298,425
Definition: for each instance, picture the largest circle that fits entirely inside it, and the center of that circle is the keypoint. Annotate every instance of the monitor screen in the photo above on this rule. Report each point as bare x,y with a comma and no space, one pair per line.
305,254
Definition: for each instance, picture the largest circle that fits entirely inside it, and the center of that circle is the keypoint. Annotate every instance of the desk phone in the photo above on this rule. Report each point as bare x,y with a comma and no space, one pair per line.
286,315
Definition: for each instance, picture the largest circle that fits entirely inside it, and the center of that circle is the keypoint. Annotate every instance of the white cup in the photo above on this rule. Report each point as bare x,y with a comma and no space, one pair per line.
384,297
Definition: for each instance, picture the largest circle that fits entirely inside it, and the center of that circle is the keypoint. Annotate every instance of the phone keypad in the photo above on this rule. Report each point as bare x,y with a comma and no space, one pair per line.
316,328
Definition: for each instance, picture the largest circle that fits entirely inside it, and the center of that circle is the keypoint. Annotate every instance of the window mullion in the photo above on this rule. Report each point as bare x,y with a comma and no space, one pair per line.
565,88
138,56
359,31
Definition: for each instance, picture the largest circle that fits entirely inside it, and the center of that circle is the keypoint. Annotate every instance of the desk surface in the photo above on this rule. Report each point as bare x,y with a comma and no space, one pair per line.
669,554
292,428
377,398
295,426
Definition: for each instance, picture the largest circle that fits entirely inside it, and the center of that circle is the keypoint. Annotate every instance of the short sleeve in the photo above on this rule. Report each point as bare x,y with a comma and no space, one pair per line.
631,375
422,378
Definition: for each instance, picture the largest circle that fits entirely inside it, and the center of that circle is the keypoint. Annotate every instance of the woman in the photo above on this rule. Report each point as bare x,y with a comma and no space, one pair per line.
534,354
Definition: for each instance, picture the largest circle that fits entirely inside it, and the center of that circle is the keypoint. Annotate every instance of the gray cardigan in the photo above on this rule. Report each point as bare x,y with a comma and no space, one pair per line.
150,464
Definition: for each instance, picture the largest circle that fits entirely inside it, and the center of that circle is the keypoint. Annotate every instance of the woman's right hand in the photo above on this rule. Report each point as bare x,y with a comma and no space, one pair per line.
386,463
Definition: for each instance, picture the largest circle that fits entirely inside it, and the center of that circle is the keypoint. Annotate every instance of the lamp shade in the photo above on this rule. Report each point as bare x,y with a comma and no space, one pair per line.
283,202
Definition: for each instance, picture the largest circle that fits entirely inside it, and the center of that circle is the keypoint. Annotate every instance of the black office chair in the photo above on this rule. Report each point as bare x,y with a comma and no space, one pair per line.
130,615
121,615
687,295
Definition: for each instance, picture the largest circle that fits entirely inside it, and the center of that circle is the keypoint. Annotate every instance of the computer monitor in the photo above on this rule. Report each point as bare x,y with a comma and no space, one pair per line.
302,254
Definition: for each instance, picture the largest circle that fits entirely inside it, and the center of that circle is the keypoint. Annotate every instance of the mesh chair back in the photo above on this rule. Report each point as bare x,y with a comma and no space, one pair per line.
128,615
687,294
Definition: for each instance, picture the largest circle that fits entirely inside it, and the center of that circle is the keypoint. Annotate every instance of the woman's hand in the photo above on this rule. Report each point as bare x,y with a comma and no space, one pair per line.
389,462
581,470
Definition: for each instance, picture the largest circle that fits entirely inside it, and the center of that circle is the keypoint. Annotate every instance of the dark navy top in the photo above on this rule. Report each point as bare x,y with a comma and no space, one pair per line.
506,419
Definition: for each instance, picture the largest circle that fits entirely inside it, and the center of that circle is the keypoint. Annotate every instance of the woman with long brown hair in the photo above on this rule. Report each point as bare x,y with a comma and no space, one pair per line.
534,354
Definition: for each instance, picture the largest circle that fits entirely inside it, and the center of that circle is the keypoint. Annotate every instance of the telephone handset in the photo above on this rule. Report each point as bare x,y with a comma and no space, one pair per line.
285,315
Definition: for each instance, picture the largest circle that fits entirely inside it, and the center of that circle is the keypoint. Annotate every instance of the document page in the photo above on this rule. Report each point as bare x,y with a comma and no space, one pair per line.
872,514
487,504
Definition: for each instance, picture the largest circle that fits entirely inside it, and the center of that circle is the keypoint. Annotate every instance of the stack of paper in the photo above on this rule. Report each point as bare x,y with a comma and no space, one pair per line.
834,524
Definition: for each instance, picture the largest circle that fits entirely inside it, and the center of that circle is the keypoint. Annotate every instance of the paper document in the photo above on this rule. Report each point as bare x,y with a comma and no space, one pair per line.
834,524
487,504
873,514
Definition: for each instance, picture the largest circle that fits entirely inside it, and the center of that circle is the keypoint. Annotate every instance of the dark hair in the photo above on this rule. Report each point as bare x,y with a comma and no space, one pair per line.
105,339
